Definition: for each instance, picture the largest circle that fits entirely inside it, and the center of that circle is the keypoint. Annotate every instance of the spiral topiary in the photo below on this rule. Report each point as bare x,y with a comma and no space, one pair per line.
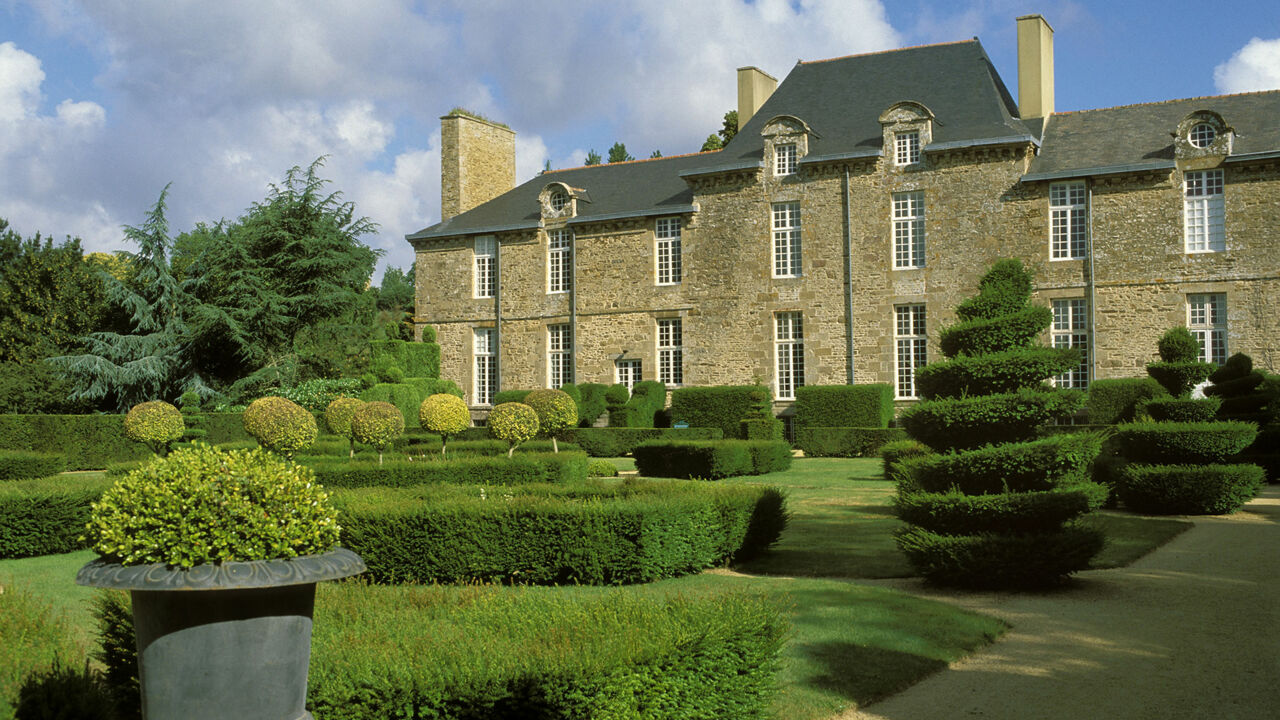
280,425
155,424
377,424
338,417
513,422
444,414
204,505
556,410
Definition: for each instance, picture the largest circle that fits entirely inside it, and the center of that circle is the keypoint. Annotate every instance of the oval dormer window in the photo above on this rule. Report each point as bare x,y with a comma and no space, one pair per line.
1202,135
559,199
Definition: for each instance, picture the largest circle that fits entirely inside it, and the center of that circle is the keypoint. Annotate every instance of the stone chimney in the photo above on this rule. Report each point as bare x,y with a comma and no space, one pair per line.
1035,67
477,162
754,87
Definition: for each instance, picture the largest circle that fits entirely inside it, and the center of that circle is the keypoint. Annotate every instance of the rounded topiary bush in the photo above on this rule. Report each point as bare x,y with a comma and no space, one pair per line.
155,424
377,424
444,414
1178,345
601,468
338,417
1188,489
280,425
203,505
556,411
514,423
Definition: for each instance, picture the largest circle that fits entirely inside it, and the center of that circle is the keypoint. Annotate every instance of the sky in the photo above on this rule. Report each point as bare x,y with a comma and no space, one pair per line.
104,102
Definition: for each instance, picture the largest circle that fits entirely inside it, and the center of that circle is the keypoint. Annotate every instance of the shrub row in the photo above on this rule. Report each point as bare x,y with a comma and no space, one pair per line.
589,533
407,396
46,516
25,464
477,652
959,423
1173,442
1188,489
846,441
647,398
91,442
1001,372
844,406
954,513
590,400
1005,560
414,359
500,470
720,407
616,442
1056,461
711,459
1117,400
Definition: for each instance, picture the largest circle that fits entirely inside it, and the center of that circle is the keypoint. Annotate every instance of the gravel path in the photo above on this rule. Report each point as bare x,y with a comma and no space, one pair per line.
1190,631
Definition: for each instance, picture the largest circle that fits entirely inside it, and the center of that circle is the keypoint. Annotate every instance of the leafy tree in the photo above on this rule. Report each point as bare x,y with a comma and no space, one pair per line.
618,153
546,166
655,154
713,142
730,127
396,290
593,158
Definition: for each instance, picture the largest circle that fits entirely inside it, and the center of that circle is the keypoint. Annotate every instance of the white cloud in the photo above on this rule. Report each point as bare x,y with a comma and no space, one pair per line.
1256,66
20,79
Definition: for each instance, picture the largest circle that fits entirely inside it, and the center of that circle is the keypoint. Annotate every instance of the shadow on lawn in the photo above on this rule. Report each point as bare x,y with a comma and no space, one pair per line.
865,674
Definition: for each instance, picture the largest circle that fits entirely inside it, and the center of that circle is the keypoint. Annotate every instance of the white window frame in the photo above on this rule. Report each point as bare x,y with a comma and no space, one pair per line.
485,379
1070,329
667,253
1202,135
627,371
910,348
483,275
559,260
785,156
1068,220
1204,211
908,230
1207,320
786,239
788,353
670,342
906,147
559,356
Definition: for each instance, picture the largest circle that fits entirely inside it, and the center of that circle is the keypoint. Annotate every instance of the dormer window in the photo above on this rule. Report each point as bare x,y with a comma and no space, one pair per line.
907,147
907,128
784,159
786,139
1203,135
1201,140
559,199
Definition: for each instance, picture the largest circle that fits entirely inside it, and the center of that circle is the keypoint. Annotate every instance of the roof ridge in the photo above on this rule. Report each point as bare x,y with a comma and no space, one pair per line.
631,162
885,52
1167,102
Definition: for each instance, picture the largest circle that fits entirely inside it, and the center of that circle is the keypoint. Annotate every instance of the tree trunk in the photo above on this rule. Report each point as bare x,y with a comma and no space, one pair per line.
555,447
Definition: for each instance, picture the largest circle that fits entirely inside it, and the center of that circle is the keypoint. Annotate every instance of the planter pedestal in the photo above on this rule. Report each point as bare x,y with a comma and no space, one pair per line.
224,641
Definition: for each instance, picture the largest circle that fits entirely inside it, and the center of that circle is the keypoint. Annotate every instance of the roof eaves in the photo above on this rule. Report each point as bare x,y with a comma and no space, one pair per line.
1250,157
1005,140
430,234
727,167
648,212
834,157
1098,170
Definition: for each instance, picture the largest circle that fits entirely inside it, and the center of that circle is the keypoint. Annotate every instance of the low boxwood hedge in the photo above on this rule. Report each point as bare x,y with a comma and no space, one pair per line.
482,652
616,442
869,406
46,516
594,533
954,513
1174,443
26,464
91,442
479,470
846,441
711,459
1056,461
721,406
961,423
1014,561
1188,489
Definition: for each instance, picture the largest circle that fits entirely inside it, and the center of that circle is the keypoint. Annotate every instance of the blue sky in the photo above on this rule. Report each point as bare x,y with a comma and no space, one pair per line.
103,102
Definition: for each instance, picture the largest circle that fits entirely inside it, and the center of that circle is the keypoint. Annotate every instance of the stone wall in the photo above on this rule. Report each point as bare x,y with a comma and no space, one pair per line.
477,162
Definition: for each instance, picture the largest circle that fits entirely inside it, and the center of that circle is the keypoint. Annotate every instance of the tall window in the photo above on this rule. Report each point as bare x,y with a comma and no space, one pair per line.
667,233
628,371
910,339
1068,221
1071,330
1207,320
788,342
486,376
784,159
1204,212
670,351
908,230
559,356
559,261
906,147
786,239
486,252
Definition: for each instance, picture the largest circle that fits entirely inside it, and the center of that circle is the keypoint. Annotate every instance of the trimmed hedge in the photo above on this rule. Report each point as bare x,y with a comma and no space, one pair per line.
983,336
415,359
844,406
1182,409
954,513
1117,400
711,459
616,442
506,396
406,396
846,441
1178,378
591,402
767,428
501,470
1236,386
26,465
1057,461
47,516
962,423
1174,443
1188,489
647,398
993,373
463,653
892,453
594,533
1008,560
88,442
719,407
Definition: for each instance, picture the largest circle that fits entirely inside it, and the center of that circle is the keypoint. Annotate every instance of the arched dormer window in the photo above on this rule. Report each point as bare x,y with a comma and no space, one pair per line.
1202,139
786,140
559,201
907,128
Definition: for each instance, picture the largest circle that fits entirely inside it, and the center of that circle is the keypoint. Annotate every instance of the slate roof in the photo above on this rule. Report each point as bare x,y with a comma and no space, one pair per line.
1136,137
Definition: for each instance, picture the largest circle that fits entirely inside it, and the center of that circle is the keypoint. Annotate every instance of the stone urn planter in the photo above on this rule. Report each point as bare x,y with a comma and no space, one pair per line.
224,641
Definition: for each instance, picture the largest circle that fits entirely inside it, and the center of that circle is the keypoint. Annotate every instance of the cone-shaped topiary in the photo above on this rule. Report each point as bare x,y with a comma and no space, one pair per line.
280,425
556,410
446,415
155,424
513,422
338,417
999,507
1250,395
377,423
1180,368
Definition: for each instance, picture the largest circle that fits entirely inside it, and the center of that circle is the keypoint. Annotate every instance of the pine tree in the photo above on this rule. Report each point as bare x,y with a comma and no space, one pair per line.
618,153
593,158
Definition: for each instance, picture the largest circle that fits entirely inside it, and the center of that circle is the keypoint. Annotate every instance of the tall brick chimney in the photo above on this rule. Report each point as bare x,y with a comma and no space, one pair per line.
1035,67
754,87
477,162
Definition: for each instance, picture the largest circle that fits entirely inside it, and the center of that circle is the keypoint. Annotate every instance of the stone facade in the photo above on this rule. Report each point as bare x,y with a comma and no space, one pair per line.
478,162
